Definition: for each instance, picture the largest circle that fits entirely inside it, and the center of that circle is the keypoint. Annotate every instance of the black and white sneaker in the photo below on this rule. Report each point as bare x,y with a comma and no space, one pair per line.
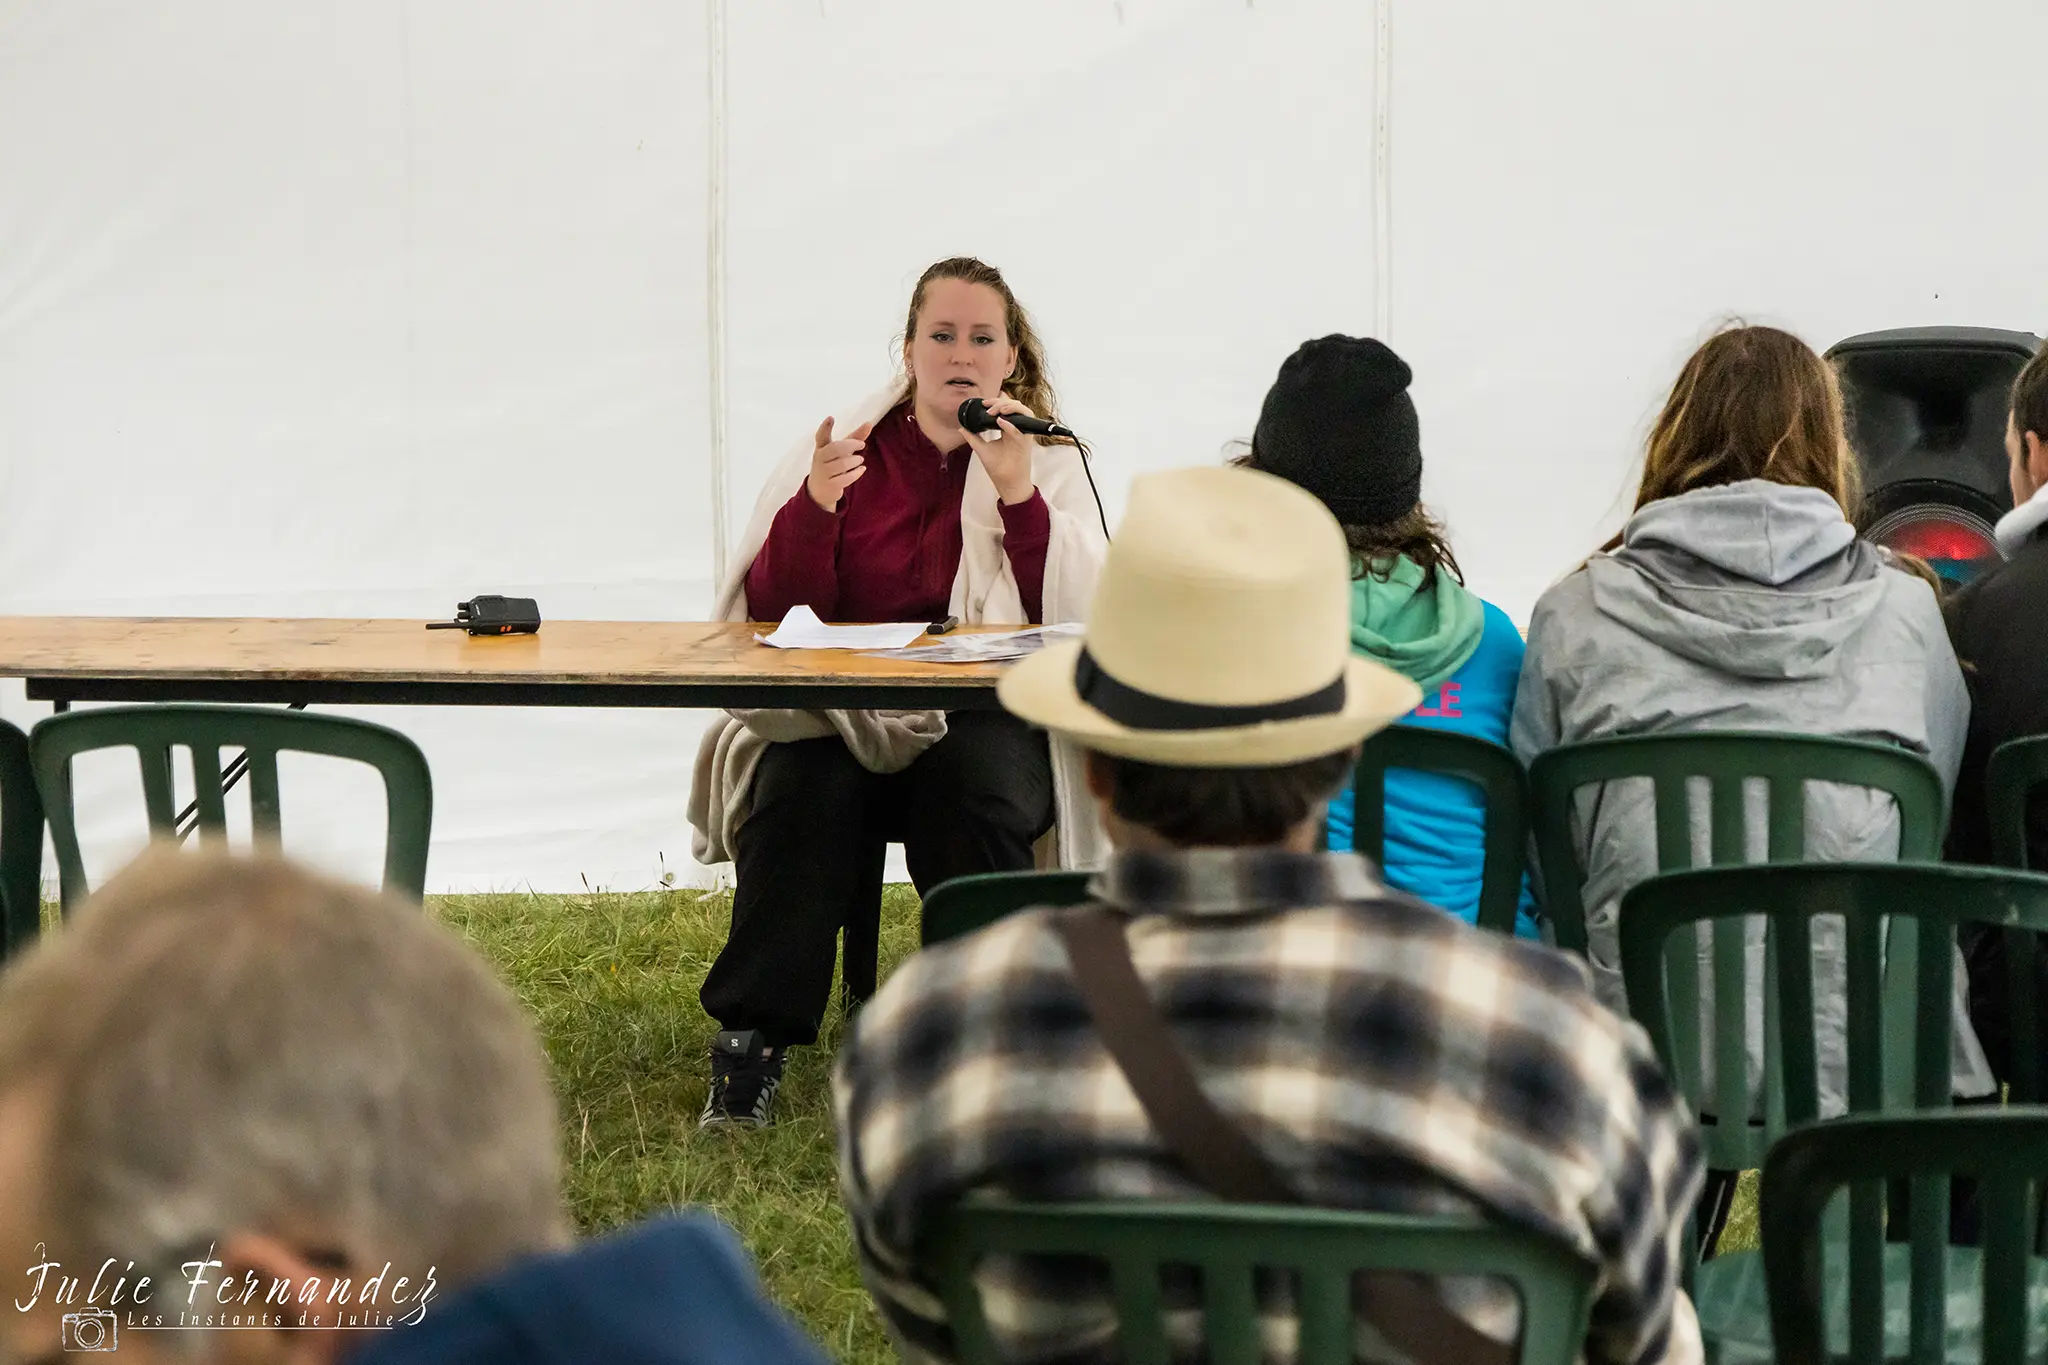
745,1072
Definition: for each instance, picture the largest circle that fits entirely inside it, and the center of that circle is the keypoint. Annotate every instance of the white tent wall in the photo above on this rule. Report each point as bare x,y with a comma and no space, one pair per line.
1178,193
361,309
1583,190
324,308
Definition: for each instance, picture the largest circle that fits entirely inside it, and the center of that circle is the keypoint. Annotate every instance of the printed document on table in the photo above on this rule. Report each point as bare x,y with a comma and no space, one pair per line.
802,629
984,649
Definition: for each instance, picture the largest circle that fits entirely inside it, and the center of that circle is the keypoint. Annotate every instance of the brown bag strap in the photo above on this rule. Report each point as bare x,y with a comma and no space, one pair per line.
1215,1151
1404,1308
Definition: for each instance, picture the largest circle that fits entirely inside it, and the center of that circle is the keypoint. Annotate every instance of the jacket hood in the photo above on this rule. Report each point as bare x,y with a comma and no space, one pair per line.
1757,579
1424,634
2023,523
672,1291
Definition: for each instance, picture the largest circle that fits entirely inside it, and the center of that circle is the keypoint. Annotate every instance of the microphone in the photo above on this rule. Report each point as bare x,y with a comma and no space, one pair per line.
975,417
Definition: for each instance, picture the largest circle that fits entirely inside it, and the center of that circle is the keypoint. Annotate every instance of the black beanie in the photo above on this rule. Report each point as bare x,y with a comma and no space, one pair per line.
1338,421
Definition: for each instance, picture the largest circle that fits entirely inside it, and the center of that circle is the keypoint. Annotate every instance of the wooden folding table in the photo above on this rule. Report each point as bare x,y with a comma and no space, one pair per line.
399,663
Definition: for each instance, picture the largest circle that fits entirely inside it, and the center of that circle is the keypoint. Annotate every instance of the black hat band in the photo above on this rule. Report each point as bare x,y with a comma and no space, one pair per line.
1142,710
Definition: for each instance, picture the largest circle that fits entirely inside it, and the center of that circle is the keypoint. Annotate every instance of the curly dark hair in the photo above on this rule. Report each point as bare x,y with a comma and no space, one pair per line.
1418,535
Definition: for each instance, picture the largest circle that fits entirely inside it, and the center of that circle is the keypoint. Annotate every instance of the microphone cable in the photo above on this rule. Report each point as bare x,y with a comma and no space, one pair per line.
975,416
1093,491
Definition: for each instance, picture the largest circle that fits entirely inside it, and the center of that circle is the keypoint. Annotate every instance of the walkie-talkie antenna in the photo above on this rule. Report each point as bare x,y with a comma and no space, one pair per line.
461,621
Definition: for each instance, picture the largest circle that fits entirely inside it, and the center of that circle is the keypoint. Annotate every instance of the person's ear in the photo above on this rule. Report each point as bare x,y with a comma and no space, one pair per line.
2036,452
273,1261
1322,807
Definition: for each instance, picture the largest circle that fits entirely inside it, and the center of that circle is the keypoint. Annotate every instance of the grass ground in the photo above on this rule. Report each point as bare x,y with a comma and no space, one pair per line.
612,980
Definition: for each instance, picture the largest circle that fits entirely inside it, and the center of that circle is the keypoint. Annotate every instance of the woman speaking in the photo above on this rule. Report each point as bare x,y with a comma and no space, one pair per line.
891,512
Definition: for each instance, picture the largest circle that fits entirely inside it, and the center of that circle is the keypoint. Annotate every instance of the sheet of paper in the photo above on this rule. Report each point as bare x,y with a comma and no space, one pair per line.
984,649
802,629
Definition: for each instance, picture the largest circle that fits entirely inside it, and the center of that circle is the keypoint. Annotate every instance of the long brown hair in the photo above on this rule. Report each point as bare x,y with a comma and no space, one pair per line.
1752,403
1031,385
1757,403
1416,535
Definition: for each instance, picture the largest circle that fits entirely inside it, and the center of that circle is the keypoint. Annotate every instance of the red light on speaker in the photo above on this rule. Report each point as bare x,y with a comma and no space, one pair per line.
1956,544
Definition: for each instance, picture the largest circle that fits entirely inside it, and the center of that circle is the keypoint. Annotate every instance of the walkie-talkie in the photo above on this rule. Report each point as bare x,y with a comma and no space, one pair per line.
493,615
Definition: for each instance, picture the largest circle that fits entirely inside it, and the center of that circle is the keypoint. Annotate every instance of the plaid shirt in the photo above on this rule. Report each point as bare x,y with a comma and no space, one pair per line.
1362,1039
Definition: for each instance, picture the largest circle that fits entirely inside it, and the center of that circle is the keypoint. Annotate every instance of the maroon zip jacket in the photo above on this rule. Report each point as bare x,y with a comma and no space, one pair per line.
891,550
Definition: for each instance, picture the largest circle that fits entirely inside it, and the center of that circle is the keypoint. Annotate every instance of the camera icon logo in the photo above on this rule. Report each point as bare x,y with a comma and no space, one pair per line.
90,1329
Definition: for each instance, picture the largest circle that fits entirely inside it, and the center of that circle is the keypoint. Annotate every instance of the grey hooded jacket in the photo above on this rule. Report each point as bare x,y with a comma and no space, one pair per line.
1748,606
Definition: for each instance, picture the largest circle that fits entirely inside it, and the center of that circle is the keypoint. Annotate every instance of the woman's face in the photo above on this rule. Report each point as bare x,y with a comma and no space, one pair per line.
959,349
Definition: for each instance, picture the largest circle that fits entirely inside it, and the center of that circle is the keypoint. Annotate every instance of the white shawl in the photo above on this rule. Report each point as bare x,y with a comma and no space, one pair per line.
984,590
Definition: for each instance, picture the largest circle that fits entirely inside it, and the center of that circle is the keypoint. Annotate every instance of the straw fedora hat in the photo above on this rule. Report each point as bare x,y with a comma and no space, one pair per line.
1220,636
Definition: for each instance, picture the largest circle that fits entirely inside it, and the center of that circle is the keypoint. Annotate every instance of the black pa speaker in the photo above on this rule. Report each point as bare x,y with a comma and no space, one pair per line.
1927,411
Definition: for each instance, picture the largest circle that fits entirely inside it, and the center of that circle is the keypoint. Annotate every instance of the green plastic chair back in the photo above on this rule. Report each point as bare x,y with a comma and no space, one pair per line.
21,844
964,904
1658,917
154,732
1503,786
2017,767
2007,1324
1726,760
1323,1248
1889,1069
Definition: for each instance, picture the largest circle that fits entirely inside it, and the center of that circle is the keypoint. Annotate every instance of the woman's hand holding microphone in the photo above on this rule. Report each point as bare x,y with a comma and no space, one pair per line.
1005,453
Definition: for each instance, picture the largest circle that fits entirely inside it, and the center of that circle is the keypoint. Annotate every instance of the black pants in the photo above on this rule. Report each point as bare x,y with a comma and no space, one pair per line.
809,855
1983,948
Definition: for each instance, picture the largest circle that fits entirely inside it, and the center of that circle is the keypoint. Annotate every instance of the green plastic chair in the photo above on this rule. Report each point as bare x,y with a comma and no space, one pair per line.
1816,1314
1660,967
1726,759
1227,1242
155,731
1503,786
2017,767
21,845
964,904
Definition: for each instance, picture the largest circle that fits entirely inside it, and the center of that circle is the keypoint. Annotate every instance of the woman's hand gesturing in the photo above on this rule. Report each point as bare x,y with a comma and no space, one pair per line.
836,465
1006,456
